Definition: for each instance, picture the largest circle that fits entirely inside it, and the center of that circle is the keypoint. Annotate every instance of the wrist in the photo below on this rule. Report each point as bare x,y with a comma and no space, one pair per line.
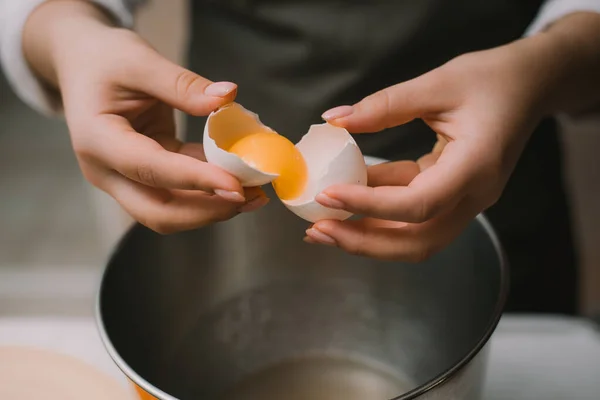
537,62
53,30
562,63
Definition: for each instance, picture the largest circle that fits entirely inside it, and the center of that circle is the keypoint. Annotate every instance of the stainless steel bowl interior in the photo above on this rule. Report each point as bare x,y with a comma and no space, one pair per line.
245,310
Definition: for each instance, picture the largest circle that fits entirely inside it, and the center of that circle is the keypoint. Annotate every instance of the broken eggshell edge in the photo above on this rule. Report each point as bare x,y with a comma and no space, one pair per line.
346,166
229,124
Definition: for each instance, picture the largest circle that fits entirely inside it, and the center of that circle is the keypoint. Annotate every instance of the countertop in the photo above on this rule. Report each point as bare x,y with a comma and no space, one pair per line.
531,357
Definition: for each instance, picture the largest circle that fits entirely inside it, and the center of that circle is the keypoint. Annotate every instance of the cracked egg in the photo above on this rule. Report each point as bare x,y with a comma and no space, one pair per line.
238,142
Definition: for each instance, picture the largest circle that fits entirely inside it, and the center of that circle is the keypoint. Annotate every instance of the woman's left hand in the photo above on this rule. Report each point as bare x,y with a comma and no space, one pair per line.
483,106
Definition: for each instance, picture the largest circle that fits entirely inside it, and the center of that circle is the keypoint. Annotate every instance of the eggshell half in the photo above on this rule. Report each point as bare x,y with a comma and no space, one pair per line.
223,128
332,157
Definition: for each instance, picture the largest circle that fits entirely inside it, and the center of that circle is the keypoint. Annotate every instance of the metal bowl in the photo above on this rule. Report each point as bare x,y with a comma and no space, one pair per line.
246,310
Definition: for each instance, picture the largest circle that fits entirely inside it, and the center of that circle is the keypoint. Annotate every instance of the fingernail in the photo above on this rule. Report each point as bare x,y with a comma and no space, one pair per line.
220,89
255,204
329,202
338,112
230,195
308,239
320,237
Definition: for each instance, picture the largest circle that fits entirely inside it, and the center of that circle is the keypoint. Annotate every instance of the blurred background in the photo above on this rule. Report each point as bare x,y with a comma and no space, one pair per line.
57,230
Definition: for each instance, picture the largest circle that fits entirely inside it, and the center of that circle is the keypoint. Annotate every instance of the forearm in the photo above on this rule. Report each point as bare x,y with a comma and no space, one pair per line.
54,25
567,66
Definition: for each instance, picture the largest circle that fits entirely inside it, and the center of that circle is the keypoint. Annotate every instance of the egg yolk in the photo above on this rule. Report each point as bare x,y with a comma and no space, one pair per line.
274,154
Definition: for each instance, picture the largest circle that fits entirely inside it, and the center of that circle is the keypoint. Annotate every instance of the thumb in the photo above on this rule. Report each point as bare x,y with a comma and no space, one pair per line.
392,106
178,87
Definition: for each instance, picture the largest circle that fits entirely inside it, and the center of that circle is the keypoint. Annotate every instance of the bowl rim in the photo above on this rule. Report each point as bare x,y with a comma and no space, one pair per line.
420,390
451,372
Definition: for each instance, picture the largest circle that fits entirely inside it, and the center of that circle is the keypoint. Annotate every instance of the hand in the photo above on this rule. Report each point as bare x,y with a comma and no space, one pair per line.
483,107
118,95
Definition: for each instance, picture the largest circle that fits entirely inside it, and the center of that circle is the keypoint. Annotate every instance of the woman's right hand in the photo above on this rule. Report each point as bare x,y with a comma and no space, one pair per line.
118,95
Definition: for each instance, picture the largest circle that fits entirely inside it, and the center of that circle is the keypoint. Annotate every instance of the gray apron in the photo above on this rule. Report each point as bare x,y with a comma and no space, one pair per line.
294,59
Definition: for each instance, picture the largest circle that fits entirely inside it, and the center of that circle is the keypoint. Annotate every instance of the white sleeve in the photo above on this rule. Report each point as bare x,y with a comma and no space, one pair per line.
553,10
13,15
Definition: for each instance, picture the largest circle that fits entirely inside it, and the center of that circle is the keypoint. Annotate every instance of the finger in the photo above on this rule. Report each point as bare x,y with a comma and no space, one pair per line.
427,160
439,144
144,160
397,173
182,89
434,191
194,150
257,199
167,211
389,240
392,106
370,238
172,144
